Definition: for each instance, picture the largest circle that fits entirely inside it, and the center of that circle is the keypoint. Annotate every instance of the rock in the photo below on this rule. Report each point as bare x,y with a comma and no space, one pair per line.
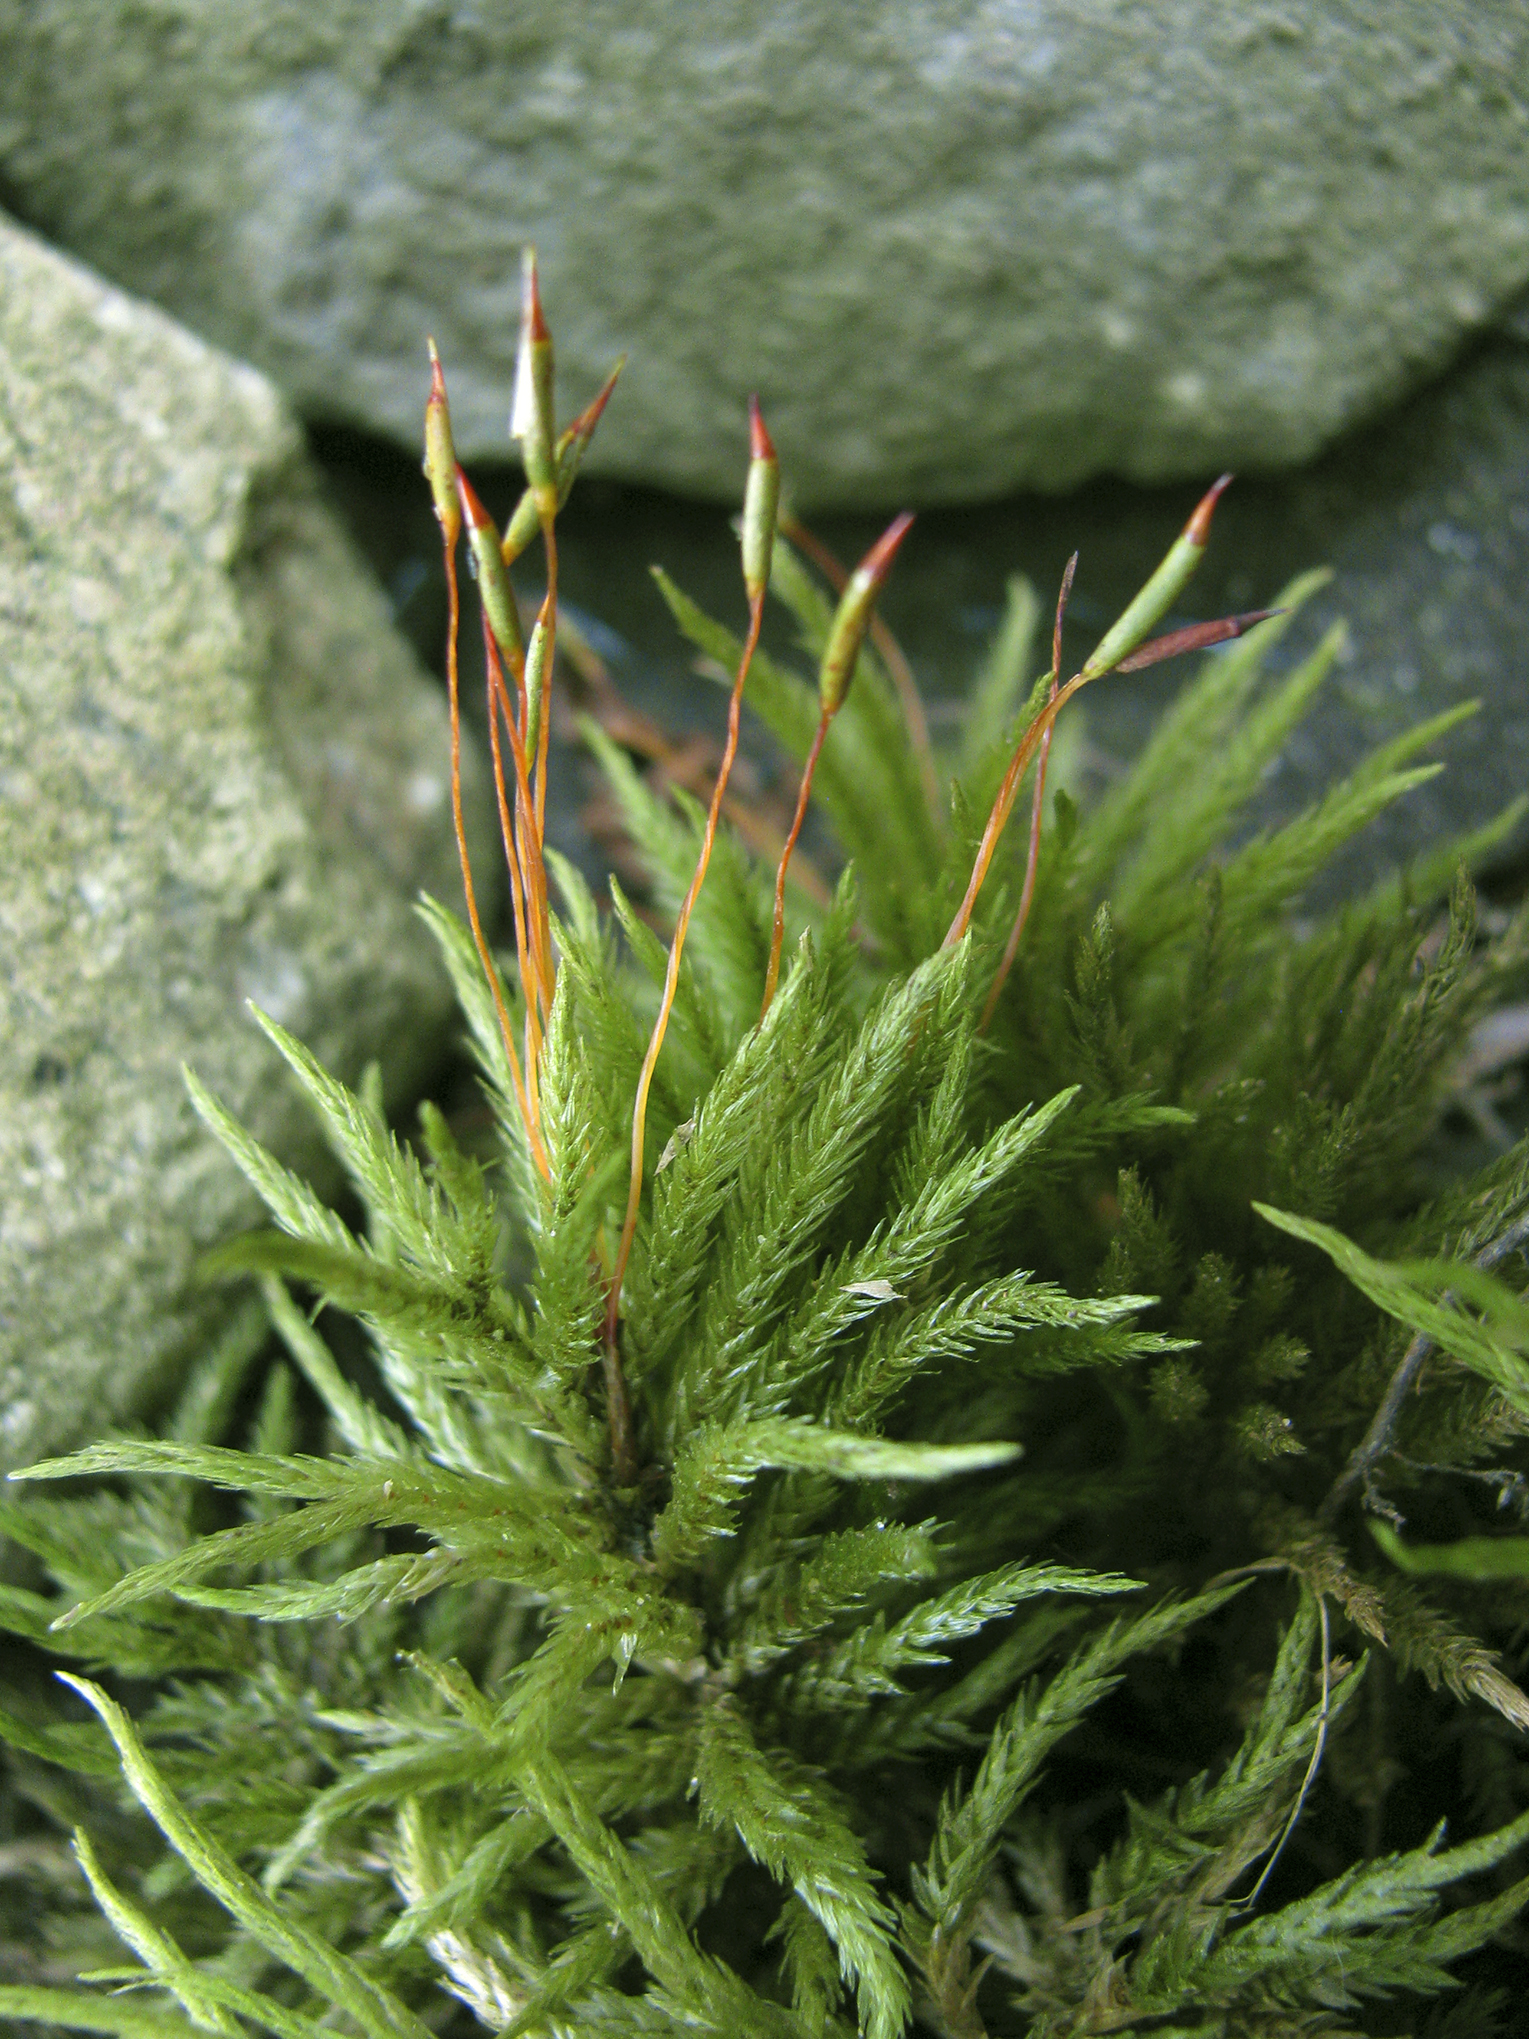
958,248
221,777
1426,526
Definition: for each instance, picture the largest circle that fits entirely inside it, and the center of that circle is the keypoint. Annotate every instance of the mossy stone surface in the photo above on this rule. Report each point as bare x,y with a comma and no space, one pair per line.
957,248
223,778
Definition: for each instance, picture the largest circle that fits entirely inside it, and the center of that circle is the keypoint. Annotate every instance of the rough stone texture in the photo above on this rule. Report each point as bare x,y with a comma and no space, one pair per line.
1426,527
959,246
221,777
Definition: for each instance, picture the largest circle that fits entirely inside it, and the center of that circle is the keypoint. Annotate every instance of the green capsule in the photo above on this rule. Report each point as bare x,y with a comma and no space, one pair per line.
526,521
1182,557
536,682
523,526
494,588
440,454
761,503
531,419
852,617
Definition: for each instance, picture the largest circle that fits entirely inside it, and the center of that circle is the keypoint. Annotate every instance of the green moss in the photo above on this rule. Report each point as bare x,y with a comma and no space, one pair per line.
945,1594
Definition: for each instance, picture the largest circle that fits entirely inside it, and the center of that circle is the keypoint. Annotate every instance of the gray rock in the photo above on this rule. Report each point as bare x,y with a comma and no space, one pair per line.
959,246
221,777
1426,527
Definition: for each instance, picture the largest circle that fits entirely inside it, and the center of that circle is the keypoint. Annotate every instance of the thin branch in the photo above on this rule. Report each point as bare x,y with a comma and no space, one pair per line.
1511,1485
778,930
522,853
1377,1440
1103,661
480,942
549,619
997,820
1323,1716
1037,811
496,704
660,1026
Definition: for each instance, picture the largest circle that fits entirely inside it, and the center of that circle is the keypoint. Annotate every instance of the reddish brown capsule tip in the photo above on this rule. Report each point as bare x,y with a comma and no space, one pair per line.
1194,637
583,427
877,564
532,321
477,516
853,615
1061,614
437,378
761,446
1197,530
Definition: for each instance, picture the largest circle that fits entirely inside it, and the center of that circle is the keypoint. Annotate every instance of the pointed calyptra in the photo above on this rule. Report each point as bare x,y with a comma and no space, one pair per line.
1180,561
494,588
526,520
761,504
440,455
852,617
1194,637
531,419
571,445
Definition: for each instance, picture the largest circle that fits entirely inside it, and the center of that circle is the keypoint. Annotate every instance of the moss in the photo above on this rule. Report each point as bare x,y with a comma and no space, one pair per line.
868,1526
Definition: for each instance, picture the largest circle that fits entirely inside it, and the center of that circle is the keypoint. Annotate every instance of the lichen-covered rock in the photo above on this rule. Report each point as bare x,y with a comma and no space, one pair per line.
958,246
221,777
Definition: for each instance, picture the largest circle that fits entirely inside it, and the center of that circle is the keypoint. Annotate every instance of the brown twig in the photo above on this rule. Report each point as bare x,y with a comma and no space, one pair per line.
1003,804
451,495
498,703
523,854
534,778
548,618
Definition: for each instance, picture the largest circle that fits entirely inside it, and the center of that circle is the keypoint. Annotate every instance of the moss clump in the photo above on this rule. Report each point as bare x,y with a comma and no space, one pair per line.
858,1514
